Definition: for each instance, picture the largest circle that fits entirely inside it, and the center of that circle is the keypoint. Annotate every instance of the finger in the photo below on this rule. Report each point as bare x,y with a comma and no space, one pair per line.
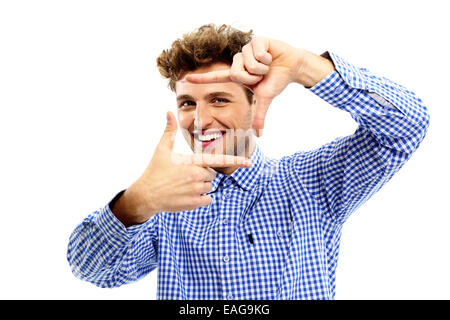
239,74
210,77
205,200
236,73
260,51
168,138
217,160
252,65
201,188
262,106
203,174
192,202
223,160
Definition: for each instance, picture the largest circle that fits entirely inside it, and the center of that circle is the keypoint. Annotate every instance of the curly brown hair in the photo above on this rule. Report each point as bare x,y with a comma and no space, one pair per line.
206,45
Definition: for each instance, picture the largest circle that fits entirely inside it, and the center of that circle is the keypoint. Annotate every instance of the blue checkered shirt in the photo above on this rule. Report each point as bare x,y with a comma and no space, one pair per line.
272,230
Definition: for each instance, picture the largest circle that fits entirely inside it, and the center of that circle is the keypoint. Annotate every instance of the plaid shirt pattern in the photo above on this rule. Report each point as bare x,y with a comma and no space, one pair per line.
272,230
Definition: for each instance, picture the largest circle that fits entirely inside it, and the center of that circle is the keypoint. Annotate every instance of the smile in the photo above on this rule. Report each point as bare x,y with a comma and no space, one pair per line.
209,137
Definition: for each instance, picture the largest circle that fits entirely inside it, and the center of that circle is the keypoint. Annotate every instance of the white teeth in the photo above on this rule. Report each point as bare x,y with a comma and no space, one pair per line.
208,137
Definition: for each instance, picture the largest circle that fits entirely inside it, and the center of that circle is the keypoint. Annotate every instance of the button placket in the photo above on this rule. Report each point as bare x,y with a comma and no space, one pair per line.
227,189
225,252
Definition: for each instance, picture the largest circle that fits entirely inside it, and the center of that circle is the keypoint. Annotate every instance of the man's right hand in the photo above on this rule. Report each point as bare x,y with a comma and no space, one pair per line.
171,182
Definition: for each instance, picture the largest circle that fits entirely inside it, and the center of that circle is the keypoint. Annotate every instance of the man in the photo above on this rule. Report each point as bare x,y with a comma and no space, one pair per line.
228,222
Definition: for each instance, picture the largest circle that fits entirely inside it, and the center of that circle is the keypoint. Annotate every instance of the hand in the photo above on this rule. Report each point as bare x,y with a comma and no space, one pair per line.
172,182
266,67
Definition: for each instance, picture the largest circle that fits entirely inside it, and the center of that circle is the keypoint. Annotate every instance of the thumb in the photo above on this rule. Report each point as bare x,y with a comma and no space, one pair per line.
168,138
262,105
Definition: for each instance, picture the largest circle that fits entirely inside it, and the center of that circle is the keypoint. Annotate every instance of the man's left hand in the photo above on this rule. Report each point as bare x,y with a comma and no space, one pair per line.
266,66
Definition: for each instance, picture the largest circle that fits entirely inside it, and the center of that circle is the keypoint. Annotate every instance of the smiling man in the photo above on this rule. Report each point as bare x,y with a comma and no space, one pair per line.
227,222
216,118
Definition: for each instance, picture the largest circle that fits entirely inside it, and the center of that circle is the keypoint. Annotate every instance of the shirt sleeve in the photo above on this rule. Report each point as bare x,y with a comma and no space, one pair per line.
392,122
102,251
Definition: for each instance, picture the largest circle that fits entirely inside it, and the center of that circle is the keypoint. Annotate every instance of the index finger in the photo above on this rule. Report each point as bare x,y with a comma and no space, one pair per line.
218,160
210,77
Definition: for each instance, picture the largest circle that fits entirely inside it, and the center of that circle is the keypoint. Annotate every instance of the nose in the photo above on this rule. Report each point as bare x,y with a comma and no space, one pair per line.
202,116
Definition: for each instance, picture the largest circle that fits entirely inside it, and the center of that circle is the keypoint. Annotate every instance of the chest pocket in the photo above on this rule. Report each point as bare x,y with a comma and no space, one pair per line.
267,248
267,232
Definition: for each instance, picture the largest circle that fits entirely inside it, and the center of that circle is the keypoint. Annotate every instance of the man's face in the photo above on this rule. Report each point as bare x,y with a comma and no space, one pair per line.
217,117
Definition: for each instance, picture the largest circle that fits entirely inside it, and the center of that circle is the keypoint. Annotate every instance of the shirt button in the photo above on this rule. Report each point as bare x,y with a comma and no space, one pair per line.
230,296
338,90
227,182
225,221
227,195
226,258
279,233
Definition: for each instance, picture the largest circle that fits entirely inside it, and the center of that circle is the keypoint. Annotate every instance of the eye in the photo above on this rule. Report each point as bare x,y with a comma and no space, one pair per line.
220,100
186,104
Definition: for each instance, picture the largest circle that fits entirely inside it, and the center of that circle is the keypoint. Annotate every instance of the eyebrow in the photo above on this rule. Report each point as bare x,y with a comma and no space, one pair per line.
208,96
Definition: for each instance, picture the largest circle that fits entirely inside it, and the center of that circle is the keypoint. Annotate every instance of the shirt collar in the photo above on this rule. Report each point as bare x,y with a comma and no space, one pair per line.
246,178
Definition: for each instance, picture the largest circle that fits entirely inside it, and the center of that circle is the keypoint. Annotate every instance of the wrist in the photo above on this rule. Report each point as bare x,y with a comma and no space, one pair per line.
312,68
130,209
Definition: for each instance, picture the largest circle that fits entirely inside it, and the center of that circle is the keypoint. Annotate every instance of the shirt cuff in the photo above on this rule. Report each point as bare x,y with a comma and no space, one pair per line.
352,75
112,228
386,93
334,90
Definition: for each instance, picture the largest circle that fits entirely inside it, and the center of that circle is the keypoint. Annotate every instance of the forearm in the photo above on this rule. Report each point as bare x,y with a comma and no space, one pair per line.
121,209
103,252
394,115
313,68
349,170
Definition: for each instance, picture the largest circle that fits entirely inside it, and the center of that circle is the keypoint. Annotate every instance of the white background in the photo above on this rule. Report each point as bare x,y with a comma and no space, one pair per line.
83,107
